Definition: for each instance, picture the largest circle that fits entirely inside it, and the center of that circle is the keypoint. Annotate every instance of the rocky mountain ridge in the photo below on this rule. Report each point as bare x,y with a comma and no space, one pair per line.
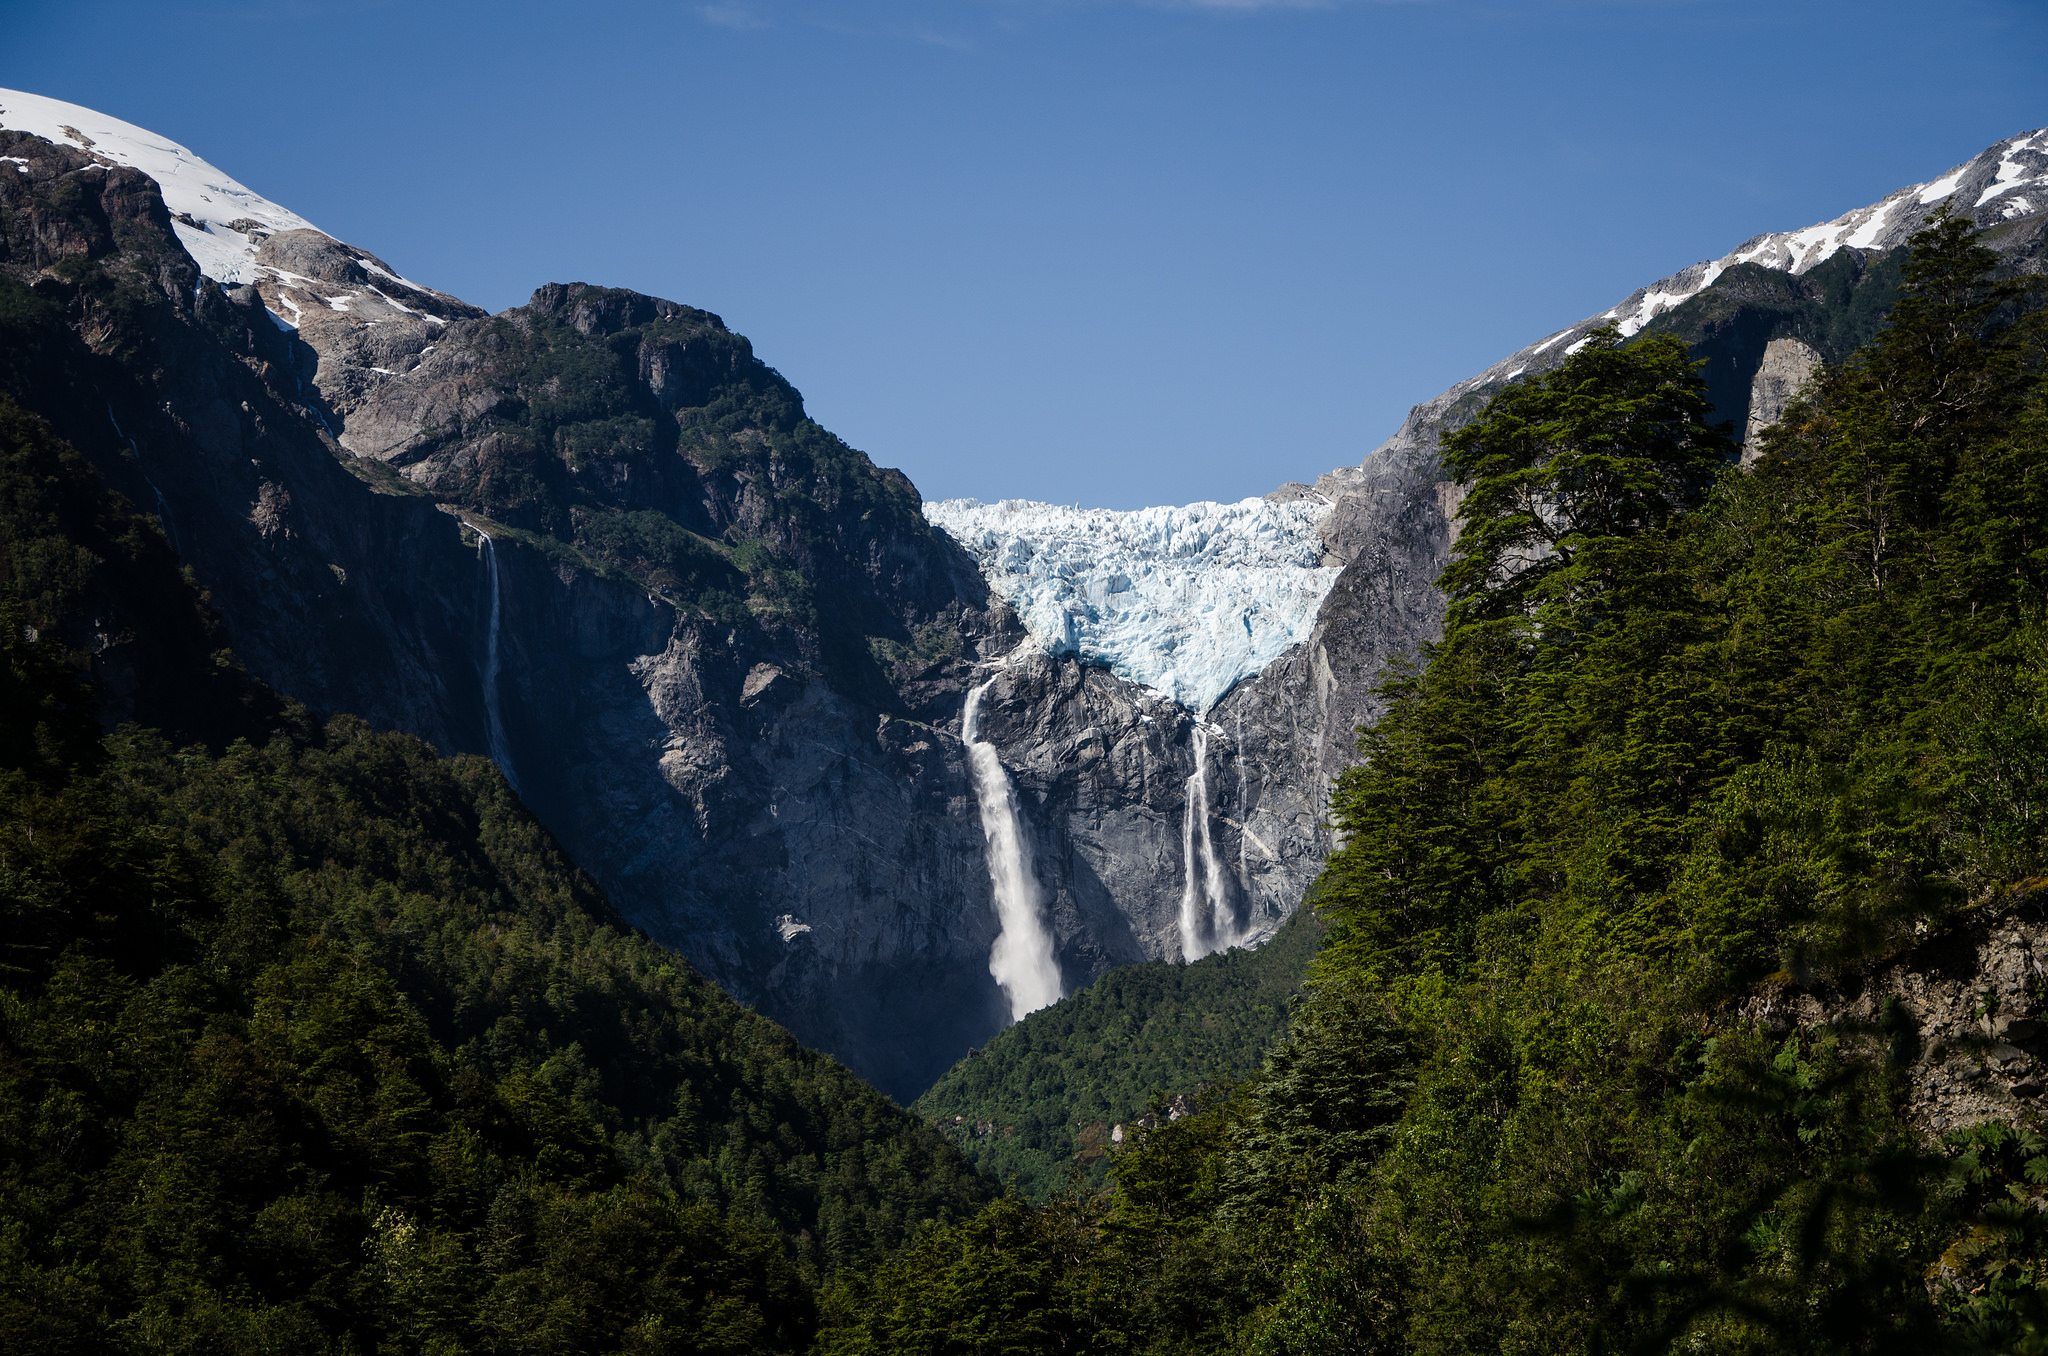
722,654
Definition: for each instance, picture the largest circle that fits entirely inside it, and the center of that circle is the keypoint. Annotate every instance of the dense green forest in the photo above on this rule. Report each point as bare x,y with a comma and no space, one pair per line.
1037,1105
1693,734
312,1041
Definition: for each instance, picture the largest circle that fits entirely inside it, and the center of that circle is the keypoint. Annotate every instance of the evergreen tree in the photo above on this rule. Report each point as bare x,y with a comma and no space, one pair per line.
1563,466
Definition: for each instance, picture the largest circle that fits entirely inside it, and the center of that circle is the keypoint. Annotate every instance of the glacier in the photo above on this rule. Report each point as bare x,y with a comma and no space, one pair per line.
1186,600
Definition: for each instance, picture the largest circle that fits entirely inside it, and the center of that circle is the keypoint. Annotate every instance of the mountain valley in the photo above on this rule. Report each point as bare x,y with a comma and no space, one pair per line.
1247,905
723,655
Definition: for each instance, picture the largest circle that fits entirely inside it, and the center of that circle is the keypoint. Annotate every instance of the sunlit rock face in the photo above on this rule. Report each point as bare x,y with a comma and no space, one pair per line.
1183,807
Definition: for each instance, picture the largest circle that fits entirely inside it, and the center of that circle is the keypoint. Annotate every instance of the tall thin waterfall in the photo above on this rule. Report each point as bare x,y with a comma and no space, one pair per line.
494,717
1021,959
1203,888
1244,809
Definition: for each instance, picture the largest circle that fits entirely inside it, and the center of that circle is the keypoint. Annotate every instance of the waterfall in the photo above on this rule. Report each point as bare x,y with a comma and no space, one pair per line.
1191,947
1203,883
494,717
1021,959
1244,812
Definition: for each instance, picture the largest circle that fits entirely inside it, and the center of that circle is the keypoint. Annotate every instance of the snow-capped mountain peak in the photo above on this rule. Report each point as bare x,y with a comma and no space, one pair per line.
2020,160
221,222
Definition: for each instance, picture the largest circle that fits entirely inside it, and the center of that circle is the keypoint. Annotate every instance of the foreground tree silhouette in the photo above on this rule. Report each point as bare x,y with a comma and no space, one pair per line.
1565,466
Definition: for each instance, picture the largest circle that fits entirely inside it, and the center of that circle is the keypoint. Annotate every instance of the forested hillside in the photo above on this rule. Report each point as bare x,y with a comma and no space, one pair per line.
1037,1106
311,1040
1699,748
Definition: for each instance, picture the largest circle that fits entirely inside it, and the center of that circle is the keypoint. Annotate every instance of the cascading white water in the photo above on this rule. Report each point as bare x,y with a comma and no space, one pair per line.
494,718
1244,810
1191,940
1202,878
1021,959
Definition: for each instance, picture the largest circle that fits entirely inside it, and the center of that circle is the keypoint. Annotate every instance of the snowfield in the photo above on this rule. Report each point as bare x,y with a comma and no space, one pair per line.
1186,601
219,221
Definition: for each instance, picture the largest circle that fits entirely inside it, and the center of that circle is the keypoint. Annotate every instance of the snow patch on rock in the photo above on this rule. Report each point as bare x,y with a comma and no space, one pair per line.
2008,180
219,220
1187,601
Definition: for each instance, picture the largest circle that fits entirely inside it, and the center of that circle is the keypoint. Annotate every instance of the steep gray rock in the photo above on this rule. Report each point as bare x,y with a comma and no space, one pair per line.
1100,765
1963,1004
782,801
1787,368
362,321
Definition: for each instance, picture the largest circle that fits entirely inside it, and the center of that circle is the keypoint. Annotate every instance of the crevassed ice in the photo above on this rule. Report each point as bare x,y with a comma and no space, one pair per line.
1186,601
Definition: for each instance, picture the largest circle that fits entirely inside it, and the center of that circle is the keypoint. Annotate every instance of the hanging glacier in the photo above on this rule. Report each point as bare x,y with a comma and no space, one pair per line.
1186,600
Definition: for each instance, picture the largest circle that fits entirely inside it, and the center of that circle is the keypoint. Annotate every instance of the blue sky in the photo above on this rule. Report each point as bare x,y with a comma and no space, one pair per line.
1109,252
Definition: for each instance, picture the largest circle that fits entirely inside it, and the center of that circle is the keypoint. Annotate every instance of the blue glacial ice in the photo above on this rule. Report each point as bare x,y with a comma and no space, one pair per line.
1187,601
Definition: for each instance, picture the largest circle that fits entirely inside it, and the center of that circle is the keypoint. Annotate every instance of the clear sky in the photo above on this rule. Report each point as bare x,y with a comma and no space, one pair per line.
1108,252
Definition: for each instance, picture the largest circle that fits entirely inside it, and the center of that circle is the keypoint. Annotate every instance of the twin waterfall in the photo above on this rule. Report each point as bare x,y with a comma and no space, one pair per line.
1206,922
494,718
1021,960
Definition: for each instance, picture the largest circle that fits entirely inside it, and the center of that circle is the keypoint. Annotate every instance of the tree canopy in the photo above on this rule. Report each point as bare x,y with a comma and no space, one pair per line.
312,1040
1564,466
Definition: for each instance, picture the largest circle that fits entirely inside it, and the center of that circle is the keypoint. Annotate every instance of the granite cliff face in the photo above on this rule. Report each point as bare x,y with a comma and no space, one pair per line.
722,654
718,651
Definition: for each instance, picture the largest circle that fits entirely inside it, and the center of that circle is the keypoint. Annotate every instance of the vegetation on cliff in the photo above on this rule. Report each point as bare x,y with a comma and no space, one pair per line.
311,1040
1691,734
647,437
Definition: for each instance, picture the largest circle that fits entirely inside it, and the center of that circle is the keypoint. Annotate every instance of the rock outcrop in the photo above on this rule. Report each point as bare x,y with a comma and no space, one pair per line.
1788,367
1962,1009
